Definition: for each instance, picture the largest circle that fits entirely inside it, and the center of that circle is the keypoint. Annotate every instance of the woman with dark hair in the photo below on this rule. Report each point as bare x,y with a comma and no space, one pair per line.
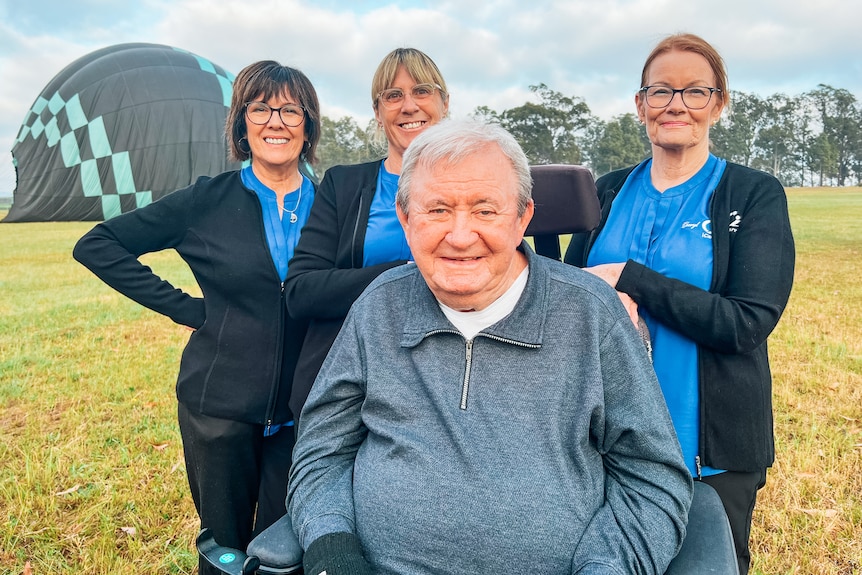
353,234
702,249
237,232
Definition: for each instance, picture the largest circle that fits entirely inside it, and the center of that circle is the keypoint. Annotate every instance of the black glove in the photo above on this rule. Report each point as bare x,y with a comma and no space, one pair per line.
336,554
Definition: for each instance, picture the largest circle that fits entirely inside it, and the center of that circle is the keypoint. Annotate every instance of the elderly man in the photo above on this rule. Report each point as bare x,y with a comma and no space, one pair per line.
486,410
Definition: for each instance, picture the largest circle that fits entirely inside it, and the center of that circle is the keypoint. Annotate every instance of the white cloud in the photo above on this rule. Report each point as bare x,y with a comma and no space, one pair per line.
490,51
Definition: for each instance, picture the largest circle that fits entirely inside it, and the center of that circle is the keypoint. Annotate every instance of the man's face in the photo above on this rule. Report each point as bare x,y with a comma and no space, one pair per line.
463,228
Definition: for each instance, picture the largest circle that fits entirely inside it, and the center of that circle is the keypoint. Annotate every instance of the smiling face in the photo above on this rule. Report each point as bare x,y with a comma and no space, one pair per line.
275,148
677,128
403,123
463,228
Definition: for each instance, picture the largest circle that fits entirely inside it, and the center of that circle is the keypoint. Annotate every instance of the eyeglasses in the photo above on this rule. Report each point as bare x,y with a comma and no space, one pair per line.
260,113
694,98
393,97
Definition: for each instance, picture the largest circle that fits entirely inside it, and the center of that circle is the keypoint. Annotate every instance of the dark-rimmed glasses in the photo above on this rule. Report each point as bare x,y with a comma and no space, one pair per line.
694,98
260,113
393,97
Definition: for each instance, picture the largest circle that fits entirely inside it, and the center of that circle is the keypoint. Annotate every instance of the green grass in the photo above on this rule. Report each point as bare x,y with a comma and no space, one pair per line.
92,480
809,518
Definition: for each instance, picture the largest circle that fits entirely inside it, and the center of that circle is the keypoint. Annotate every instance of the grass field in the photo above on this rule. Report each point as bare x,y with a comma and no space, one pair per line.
91,473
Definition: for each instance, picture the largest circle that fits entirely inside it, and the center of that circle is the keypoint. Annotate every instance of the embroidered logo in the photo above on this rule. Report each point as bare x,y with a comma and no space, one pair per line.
735,219
705,228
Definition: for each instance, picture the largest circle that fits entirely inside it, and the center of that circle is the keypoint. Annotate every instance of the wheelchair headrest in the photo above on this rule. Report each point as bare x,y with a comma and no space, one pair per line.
565,198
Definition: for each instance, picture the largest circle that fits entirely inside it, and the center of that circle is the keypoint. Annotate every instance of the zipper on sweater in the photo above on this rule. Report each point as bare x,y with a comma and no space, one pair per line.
511,341
465,386
273,392
698,467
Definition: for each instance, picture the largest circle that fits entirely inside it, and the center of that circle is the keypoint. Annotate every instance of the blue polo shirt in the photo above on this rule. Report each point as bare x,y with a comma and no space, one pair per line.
669,232
282,234
384,236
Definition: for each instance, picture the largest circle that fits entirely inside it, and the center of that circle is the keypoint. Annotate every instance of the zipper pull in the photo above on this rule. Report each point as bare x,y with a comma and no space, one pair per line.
698,466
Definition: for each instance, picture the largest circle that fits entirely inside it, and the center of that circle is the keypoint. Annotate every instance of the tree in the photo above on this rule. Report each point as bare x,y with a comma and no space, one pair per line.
619,143
775,142
856,157
733,137
548,131
823,158
815,138
803,137
841,121
342,141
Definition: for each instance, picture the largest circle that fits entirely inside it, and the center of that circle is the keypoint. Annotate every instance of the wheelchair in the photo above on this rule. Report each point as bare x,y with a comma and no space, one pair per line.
706,549
565,202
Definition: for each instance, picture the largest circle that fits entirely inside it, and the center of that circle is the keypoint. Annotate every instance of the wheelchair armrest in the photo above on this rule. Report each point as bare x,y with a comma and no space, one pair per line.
277,548
708,544
227,559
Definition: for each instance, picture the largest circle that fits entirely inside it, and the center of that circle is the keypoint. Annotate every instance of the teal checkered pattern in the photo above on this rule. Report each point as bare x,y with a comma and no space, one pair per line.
99,144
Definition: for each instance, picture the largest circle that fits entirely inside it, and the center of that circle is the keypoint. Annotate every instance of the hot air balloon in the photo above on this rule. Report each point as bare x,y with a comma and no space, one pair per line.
118,129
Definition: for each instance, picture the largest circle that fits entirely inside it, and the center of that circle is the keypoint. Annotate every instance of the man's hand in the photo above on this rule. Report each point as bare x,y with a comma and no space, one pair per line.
336,554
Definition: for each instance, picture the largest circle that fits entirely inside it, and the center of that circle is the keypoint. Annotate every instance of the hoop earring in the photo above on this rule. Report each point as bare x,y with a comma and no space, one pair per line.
245,149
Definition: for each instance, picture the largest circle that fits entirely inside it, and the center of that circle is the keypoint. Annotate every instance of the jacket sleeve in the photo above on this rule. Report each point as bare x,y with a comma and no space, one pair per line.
648,489
757,285
576,250
111,250
320,488
317,284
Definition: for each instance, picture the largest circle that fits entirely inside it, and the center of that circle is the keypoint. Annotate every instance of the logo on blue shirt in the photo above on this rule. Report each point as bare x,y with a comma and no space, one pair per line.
705,228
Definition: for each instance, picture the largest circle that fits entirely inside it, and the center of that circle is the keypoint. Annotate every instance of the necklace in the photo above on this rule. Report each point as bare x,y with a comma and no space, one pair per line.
293,217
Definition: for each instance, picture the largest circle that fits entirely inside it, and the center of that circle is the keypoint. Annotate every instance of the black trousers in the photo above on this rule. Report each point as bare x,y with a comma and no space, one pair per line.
738,493
238,477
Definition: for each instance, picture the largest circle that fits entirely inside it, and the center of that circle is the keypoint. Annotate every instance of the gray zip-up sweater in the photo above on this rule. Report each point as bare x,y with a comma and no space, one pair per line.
542,446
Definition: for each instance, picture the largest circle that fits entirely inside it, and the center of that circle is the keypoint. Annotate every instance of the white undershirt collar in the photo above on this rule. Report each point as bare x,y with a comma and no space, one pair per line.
469,323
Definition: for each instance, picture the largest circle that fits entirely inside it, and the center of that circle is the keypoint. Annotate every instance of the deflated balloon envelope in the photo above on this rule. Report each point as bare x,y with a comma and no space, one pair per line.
118,129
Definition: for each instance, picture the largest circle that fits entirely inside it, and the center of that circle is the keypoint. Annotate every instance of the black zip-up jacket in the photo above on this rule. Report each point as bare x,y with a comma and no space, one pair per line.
754,257
238,363
326,275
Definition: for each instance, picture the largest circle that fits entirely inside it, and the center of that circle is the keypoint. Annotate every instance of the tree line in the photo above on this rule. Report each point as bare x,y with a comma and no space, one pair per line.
813,139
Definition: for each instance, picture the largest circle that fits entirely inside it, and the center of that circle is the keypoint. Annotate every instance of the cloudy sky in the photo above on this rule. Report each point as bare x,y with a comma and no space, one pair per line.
490,51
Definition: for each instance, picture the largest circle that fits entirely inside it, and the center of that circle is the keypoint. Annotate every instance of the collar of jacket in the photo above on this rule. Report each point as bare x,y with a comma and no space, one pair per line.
524,326
368,175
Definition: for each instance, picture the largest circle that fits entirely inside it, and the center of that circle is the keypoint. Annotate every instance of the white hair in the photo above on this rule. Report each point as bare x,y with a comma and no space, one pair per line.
452,140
